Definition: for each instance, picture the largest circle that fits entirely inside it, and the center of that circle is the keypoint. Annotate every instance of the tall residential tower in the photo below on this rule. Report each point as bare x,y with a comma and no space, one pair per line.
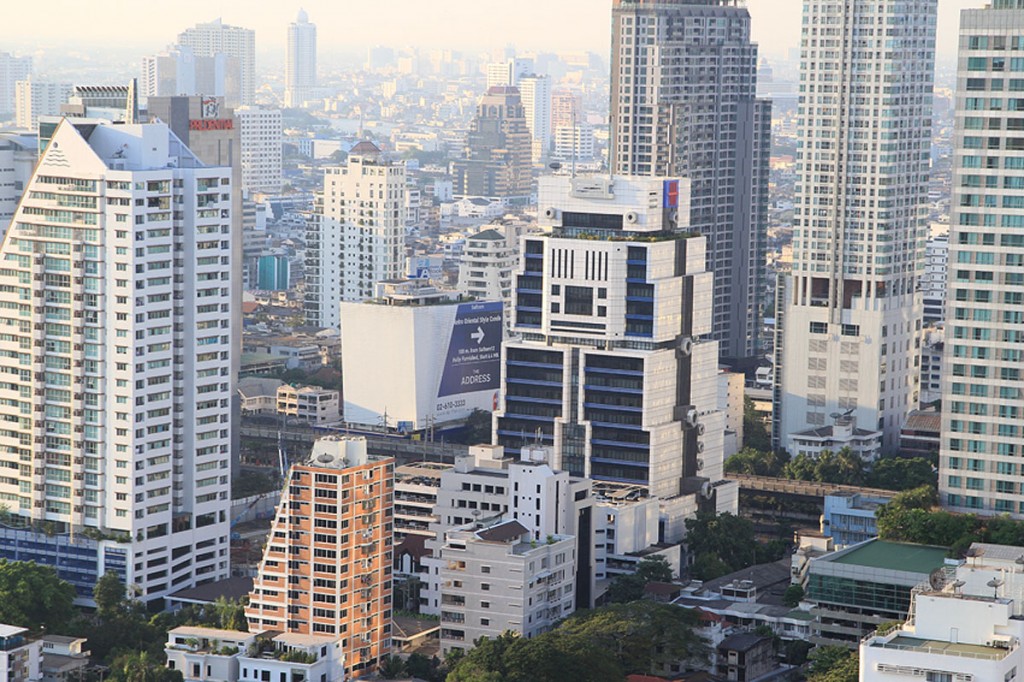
300,61
982,400
848,333
116,397
217,38
683,104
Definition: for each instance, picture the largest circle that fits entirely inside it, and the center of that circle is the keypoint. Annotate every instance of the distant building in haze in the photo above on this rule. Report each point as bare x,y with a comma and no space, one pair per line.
300,61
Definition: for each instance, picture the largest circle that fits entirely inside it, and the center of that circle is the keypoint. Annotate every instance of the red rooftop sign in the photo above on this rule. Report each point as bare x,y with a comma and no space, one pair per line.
211,124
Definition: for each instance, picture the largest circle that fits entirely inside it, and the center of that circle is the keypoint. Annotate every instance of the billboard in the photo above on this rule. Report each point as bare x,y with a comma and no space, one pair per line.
473,362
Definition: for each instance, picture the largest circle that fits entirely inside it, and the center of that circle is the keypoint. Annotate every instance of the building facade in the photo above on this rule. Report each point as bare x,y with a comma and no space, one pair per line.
216,38
355,236
609,364
683,104
300,61
125,359
12,70
485,268
261,134
848,332
326,569
535,92
982,402
503,579
178,71
33,99
497,158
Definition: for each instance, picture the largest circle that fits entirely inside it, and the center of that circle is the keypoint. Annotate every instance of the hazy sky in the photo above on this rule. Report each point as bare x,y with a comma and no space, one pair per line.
553,25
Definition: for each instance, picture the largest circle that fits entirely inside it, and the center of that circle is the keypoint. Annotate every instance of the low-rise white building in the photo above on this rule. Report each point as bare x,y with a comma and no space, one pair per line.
20,657
843,434
966,624
311,404
204,654
498,578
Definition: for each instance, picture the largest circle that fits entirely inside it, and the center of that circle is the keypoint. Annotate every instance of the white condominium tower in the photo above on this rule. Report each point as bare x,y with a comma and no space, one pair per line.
216,37
982,400
535,92
12,70
356,236
848,336
115,291
300,63
261,134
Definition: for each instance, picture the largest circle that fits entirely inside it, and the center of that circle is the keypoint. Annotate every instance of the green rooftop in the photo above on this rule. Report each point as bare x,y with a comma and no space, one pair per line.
895,556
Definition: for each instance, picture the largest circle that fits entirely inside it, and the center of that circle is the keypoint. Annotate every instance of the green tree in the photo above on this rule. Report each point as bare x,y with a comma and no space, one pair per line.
391,668
723,543
418,665
844,468
141,666
793,595
33,596
898,473
756,463
755,434
630,587
477,429
642,635
833,664
109,595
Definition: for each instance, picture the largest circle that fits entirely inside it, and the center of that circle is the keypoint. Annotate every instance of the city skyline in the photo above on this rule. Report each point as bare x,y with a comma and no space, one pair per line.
775,24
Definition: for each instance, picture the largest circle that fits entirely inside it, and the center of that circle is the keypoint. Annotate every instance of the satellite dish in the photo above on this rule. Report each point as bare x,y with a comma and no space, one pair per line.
937,579
324,458
554,166
995,582
958,584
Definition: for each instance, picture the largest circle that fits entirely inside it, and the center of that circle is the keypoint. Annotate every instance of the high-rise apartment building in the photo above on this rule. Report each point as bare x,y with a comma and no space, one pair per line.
216,37
507,73
261,135
18,156
12,70
850,315
356,235
326,568
497,159
33,99
982,400
683,104
535,92
607,365
488,260
566,108
179,71
117,286
300,61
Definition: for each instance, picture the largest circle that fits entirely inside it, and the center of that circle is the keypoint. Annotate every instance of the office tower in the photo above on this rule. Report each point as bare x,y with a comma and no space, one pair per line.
326,568
216,38
179,71
535,92
496,162
848,333
33,99
683,104
261,134
982,402
12,70
300,61
609,369
488,261
117,285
